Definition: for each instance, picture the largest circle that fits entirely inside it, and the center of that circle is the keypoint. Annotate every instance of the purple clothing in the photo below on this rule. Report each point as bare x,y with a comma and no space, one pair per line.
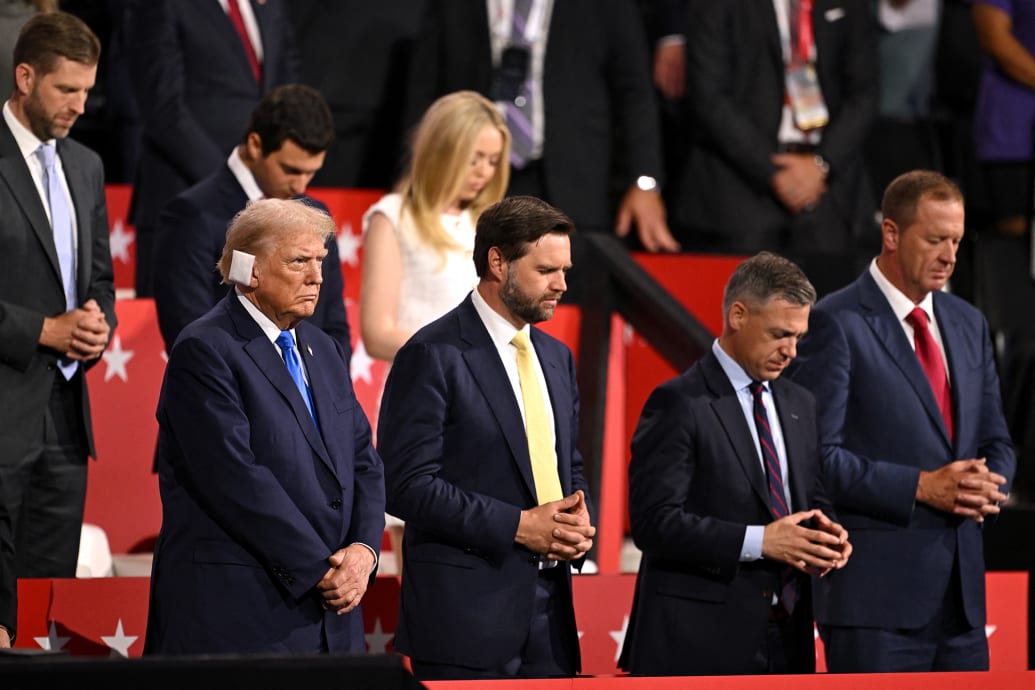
1004,119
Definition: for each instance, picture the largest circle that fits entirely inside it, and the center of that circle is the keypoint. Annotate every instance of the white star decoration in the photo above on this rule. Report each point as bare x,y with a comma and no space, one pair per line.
119,240
989,629
359,367
120,641
377,640
619,637
52,641
348,245
116,359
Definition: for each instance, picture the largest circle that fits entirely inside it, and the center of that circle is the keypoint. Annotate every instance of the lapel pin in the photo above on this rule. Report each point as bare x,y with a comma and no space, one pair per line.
309,349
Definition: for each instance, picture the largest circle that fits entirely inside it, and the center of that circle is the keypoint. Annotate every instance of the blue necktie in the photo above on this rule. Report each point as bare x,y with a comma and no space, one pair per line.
774,477
61,224
286,343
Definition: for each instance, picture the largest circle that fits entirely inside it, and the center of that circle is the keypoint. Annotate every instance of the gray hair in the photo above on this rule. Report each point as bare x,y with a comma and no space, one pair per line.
766,276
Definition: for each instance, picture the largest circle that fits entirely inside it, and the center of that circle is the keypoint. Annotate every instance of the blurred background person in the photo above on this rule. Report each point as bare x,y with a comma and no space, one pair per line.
582,114
777,133
419,239
13,15
283,147
198,69
1004,147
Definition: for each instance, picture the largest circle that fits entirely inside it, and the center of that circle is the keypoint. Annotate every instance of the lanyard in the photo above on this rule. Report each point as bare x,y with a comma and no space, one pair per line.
802,52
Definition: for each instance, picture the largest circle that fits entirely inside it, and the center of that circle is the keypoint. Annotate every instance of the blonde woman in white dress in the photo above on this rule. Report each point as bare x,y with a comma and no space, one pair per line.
419,238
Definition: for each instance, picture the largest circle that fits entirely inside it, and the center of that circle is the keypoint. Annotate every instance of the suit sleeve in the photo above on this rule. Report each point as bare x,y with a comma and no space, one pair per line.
205,413
8,582
160,84
184,276
885,490
423,85
411,437
994,440
632,90
857,85
662,475
717,115
101,287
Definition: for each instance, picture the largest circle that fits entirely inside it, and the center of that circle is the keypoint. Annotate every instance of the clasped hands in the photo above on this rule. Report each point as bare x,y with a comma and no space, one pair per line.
560,530
80,334
815,550
798,182
345,583
962,487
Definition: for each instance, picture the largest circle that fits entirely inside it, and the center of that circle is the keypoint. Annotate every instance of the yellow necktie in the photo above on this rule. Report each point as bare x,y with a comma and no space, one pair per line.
537,425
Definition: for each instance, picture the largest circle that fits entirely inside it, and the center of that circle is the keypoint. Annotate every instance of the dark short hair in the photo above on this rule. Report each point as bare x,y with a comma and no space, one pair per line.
904,193
766,276
48,36
513,225
296,112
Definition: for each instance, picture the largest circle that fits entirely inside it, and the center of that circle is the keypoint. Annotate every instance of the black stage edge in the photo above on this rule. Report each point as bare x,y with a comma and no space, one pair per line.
1008,547
266,672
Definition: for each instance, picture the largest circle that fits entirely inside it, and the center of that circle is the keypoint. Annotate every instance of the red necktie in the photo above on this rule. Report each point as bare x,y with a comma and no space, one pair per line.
934,366
238,21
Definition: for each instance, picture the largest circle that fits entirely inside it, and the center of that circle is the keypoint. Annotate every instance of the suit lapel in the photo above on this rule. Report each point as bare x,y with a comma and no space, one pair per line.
727,408
82,205
560,401
268,360
771,27
790,416
889,334
957,354
488,373
15,172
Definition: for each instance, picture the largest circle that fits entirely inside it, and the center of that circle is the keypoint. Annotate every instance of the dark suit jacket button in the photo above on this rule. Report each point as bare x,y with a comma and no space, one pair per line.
534,559
336,504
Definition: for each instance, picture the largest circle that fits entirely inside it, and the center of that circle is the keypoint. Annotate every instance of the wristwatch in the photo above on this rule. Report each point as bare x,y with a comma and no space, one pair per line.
646,183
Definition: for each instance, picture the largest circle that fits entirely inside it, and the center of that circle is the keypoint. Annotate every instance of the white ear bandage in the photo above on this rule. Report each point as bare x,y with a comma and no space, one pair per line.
241,268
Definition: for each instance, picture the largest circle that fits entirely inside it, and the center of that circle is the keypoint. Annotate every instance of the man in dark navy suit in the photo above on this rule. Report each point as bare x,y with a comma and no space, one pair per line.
916,453
478,428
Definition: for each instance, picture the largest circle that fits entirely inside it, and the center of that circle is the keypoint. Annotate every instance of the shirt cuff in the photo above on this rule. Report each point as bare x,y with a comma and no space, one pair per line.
752,547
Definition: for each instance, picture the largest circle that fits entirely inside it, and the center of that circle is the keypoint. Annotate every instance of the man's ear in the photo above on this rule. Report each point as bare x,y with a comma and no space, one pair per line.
498,265
737,315
890,234
24,78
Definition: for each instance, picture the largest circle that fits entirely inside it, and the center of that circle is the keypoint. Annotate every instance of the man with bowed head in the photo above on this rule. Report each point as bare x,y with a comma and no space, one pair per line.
726,496
272,494
57,298
916,452
478,428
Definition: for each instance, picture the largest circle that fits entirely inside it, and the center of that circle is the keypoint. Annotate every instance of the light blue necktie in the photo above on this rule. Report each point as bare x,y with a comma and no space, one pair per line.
286,343
61,224
519,111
